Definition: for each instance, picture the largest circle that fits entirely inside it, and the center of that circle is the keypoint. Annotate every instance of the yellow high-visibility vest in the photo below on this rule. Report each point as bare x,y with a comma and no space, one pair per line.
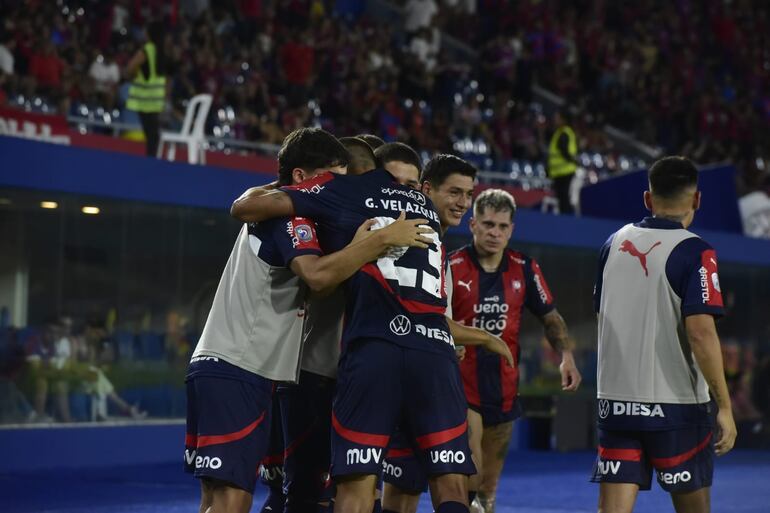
147,94
557,164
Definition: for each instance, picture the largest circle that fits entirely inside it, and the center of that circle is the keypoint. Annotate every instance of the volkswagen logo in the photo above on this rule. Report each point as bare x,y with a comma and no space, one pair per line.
604,408
400,325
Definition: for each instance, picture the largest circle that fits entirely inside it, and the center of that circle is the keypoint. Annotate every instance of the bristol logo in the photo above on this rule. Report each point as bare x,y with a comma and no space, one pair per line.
604,408
400,325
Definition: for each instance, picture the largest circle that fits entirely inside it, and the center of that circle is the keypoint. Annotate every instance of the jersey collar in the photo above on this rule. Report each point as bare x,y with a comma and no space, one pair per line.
659,223
475,259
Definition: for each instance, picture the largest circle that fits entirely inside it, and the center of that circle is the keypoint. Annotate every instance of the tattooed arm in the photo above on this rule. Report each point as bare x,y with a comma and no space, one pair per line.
556,333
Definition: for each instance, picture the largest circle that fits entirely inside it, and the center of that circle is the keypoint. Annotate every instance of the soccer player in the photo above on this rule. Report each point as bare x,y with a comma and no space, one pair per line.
362,157
305,407
402,162
395,335
657,293
253,332
372,140
492,286
449,182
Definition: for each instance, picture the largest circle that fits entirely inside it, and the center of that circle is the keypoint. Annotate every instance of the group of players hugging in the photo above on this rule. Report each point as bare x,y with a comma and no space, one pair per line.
351,363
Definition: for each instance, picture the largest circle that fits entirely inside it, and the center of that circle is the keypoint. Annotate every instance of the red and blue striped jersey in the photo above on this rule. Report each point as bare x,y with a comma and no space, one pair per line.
494,302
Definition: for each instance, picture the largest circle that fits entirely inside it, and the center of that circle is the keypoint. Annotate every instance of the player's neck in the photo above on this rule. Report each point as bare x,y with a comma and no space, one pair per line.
490,262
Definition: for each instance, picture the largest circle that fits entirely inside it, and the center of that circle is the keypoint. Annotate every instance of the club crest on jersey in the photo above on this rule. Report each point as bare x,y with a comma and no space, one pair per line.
516,284
304,232
400,325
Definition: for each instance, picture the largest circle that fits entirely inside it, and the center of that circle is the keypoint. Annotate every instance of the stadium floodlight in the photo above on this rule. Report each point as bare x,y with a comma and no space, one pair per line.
49,204
90,210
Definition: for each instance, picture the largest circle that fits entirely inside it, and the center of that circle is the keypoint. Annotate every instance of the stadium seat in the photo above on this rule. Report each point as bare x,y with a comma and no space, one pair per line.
192,133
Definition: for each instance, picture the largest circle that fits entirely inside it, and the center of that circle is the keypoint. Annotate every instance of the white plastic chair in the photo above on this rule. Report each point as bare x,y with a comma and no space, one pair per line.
192,133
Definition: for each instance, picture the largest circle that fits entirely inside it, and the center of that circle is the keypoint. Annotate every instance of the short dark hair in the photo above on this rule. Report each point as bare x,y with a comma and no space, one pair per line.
438,169
309,149
372,140
362,157
398,152
670,176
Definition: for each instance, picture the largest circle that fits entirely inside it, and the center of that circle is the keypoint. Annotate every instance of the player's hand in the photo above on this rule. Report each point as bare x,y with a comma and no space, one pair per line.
727,431
363,232
497,345
460,352
570,375
407,232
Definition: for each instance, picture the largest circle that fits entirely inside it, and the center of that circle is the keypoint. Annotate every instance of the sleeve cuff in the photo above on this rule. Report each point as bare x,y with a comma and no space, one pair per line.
716,311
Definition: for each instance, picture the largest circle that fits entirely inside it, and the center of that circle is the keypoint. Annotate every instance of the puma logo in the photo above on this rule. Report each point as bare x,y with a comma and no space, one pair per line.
464,284
628,247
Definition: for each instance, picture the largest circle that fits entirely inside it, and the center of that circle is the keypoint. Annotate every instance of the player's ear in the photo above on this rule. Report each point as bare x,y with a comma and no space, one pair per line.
425,188
696,201
298,175
648,200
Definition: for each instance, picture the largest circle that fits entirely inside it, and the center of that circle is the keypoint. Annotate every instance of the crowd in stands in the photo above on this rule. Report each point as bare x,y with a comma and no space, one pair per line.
689,77
63,370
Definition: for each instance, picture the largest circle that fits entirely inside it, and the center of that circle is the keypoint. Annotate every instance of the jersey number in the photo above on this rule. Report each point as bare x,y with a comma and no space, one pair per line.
407,277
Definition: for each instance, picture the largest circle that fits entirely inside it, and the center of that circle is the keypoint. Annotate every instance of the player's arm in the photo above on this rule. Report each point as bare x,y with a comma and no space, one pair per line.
322,274
704,342
468,336
556,333
262,203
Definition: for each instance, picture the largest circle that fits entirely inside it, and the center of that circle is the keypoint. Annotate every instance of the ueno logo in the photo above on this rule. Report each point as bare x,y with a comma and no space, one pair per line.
446,456
609,467
208,462
674,478
357,456
392,470
189,456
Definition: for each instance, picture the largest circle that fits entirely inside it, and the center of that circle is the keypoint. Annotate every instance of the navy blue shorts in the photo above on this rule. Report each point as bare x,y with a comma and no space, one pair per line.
494,415
683,458
381,386
306,410
402,468
271,467
228,426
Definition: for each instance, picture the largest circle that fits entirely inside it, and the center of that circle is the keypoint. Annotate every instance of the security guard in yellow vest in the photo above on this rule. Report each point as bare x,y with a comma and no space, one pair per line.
562,161
147,94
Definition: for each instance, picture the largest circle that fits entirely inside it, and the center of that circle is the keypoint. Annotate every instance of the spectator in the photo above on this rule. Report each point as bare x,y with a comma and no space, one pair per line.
148,92
562,160
46,67
47,369
419,14
7,45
